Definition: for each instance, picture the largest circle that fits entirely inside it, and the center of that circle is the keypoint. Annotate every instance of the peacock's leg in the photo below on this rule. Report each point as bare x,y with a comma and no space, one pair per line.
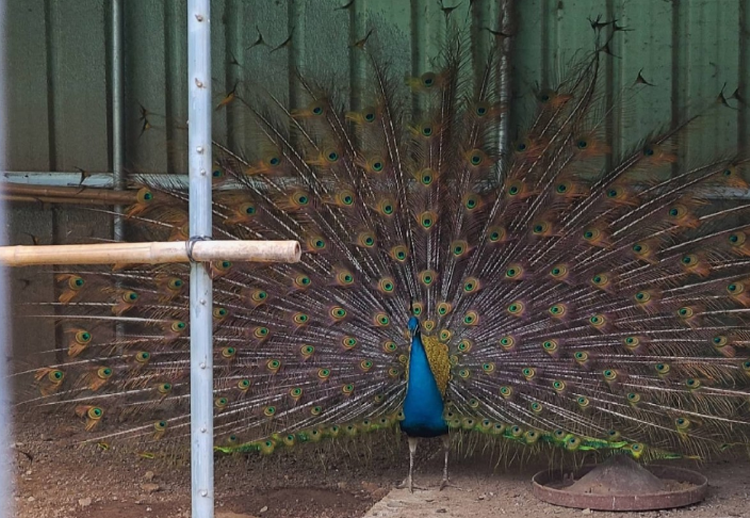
409,480
446,448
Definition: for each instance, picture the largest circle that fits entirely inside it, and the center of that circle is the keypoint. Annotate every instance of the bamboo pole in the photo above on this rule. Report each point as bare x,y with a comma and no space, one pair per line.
78,193
54,200
151,253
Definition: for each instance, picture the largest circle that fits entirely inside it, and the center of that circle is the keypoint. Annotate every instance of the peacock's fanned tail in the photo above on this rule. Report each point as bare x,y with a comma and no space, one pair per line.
585,299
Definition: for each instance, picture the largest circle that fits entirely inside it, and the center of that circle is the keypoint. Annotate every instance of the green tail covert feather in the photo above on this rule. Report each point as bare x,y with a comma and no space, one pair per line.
567,293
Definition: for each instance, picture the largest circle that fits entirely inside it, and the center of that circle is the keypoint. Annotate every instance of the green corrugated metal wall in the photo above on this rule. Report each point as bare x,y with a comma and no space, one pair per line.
59,55
59,88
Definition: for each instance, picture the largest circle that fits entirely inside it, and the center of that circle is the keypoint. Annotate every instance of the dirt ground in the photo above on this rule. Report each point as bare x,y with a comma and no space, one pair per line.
56,480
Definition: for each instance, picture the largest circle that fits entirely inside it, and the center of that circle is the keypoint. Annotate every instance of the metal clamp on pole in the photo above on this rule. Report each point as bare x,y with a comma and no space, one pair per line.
190,245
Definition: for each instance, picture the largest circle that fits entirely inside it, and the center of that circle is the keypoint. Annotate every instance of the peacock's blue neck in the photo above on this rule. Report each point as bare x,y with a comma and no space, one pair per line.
423,405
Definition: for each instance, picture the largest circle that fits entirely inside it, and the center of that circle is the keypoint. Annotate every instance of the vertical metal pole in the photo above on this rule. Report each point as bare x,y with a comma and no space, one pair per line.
118,131
118,135
506,27
6,479
201,303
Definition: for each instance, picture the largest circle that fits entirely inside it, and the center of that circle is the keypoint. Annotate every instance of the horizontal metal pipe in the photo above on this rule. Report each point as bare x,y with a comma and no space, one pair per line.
179,181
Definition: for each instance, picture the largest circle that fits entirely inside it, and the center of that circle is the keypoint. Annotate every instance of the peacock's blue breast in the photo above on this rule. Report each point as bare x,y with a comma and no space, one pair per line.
423,405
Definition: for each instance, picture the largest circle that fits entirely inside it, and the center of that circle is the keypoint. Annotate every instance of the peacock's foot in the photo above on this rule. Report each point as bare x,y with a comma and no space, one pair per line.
408,483
447,483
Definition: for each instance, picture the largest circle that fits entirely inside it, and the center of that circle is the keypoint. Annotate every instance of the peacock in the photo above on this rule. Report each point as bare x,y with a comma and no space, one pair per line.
551,294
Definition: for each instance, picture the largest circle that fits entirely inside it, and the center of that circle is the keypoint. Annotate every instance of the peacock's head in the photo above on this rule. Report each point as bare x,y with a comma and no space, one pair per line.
413,326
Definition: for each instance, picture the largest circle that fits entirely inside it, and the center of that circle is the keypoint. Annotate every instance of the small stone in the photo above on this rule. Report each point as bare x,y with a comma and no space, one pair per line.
85,502
30,499
441,511
149,476
264,509
587,511
150,488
